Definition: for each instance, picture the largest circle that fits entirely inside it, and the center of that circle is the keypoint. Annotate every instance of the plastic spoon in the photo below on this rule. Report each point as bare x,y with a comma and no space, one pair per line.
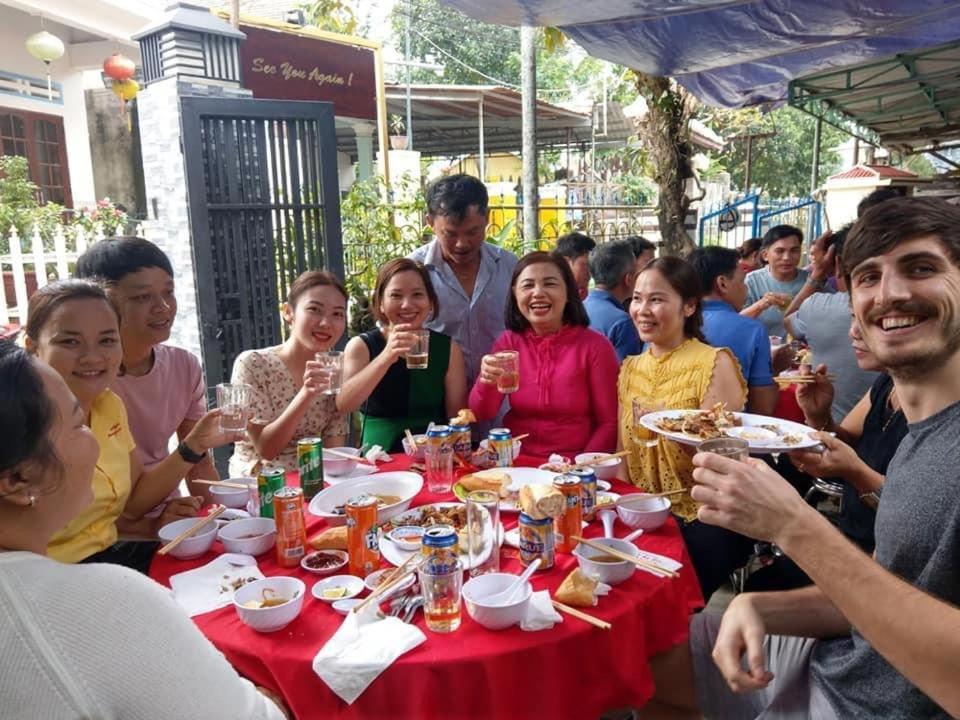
505,597
607,518
633,536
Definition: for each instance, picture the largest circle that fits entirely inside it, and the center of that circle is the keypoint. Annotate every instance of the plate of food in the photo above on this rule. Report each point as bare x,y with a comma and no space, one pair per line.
506,481
394,492
764,434
454,514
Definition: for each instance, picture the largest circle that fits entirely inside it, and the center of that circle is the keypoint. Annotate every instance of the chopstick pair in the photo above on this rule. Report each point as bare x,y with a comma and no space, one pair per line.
225,484
639,562
392,580
599,460
347,456
596,622
220,509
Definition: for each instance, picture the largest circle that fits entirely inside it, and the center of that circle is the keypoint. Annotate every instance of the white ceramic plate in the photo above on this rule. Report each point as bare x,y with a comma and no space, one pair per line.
354,586
512,537
402,484
784,431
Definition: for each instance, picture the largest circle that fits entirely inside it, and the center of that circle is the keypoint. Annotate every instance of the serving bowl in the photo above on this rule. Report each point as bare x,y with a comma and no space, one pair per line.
611,573
641,510
517,444
336,465
495,617
233,497
329,503
606,470
270,619
249,536
195,545
310,561
416,452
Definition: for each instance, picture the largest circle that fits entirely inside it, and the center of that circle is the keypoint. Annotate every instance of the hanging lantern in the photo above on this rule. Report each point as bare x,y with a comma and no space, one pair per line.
119,67
46,47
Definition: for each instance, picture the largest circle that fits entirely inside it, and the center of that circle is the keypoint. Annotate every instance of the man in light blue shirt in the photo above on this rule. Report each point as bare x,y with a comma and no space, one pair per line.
770,289
613,268
724,291
470,276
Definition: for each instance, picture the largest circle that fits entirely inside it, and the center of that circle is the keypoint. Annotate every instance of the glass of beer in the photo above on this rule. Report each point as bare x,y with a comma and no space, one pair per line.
441,599
419,355
332,362
234,402
508,381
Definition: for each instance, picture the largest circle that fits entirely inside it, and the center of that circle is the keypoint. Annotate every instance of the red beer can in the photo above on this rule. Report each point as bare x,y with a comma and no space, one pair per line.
570,521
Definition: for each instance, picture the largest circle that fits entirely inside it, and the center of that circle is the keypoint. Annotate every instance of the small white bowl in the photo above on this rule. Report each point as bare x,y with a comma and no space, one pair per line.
415,452
517,444
607,470
556,467
336,465
345,606
612,573
353,586
372,580
339,555
250,536
494,617
233,497
195,545
407,537
754,436
270,619
641,510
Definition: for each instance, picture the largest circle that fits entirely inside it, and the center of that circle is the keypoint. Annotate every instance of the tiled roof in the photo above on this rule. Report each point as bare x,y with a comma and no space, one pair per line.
874,171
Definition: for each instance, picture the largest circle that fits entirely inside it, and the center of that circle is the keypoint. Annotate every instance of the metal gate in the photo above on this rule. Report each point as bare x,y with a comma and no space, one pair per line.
263,196
731,225
801,213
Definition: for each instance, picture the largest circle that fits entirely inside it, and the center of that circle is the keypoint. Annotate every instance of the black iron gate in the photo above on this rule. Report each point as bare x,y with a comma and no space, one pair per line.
263,194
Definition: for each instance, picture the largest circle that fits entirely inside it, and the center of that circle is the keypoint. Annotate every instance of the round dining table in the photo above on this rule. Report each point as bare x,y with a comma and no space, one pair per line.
572,670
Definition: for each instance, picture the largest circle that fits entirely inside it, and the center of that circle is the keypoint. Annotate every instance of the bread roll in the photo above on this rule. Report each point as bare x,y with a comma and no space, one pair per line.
541,501
465,417
577,590
334,538
497,482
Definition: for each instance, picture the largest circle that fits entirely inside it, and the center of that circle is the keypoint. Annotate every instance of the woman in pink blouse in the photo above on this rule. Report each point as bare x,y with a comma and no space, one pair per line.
567,399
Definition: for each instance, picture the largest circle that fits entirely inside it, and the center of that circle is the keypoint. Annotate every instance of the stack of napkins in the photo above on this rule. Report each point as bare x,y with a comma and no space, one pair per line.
540,614
363,647
212,586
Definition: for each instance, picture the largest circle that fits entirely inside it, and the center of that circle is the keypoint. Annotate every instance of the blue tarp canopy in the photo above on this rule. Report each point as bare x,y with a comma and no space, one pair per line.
733,54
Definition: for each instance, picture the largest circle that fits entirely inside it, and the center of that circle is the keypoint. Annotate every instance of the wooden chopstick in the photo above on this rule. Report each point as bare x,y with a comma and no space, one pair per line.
410,438
223,483
798,379
639,562
596,622
347,456
191,530
383,587
599,460
522,437
670,493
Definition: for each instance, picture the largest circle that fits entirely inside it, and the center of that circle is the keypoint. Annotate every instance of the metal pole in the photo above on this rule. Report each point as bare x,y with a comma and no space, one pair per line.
482,165
235,13
815,169
528,72
746,179
406,57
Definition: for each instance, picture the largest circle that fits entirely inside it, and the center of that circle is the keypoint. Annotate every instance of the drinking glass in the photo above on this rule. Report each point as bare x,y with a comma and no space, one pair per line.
483,526
508,381
439,463
733,448
441,599
332,363
234,402
419,355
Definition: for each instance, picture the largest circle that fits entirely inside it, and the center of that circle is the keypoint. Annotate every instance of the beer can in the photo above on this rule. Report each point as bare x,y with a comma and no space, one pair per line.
588,487
570,521
501,444
441,550
363,539
310,463
537,541
437,436
269,481
460,437
291,530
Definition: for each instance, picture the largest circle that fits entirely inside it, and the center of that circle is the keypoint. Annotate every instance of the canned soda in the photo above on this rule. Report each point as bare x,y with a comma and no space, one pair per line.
588,487
310,462
537,541
441,550
363,540
291,530
268,482
570,521
501,444
460,437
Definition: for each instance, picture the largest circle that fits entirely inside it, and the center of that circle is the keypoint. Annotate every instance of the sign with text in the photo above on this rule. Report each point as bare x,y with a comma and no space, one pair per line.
283,66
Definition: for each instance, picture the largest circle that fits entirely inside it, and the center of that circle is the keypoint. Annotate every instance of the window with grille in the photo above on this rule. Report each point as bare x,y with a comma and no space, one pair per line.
39,138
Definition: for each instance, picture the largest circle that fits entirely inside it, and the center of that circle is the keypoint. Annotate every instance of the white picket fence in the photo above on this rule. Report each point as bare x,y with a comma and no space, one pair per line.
28,255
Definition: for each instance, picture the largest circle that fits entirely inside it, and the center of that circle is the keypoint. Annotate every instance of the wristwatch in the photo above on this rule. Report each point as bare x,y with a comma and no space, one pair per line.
189,455
870,499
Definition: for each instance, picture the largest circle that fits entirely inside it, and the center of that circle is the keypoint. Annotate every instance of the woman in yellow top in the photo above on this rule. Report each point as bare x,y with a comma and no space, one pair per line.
72,327
678,371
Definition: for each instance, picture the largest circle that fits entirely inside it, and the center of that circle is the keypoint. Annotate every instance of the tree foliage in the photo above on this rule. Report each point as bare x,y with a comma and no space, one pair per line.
331,15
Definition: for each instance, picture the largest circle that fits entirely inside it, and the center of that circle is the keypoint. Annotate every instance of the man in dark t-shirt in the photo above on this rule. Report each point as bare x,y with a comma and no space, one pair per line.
873,637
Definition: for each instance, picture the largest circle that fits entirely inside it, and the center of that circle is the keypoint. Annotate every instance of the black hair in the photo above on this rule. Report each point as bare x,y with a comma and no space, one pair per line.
610,262
684,280
779,232
112,259
837,240
574,245
454,195
713,262
573,312
640,245
749,247
880,195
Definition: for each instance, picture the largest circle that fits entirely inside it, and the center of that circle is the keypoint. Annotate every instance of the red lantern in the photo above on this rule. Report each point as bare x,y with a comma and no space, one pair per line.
119,67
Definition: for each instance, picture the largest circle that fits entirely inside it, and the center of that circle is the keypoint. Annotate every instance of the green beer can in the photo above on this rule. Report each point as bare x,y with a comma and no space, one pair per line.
268,482
310,462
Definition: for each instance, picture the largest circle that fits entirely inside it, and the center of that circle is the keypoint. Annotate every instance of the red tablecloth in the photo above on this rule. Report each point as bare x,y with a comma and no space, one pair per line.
571,671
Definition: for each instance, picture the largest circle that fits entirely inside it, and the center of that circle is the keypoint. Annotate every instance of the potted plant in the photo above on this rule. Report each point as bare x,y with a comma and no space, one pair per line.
398,129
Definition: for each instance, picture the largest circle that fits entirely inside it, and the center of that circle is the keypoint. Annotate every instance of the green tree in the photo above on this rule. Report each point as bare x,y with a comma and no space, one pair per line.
331,15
